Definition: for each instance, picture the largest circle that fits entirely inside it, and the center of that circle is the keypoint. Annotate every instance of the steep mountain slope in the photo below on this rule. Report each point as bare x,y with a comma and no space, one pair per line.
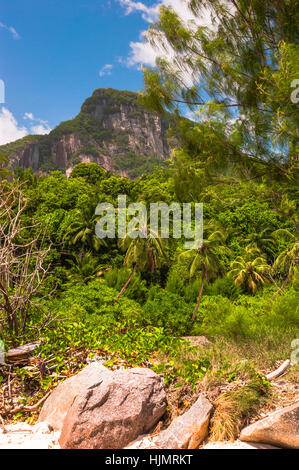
112,129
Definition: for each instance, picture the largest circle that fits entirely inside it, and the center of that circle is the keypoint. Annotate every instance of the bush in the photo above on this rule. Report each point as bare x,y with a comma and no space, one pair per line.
223,286
96,299
168,310
136,290
256,318
175,284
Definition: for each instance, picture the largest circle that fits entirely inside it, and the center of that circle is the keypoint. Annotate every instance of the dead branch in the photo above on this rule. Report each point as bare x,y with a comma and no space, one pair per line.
23,266
276,373
25,408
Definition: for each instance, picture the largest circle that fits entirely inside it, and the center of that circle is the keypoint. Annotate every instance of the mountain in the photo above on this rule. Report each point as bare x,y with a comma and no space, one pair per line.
112,129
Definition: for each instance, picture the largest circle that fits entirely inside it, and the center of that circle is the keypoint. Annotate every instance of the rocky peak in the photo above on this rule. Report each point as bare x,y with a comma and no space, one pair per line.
112,129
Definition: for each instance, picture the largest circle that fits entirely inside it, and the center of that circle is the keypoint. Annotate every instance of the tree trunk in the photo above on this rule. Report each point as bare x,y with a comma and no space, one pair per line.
81,253
296,225
199,298
281,288
128,282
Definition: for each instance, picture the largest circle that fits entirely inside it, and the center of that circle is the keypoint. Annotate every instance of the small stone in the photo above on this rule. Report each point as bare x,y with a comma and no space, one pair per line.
42,428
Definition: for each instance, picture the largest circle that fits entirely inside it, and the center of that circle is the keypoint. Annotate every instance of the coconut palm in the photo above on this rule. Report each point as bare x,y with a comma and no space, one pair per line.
82,230
143,253
250,271
205,260
263,240
85,268
288,260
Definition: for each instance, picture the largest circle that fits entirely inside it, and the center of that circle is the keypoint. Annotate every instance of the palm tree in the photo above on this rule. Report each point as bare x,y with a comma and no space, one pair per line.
288,259
85,268
250,270
82,230
143,253
206,261
263,240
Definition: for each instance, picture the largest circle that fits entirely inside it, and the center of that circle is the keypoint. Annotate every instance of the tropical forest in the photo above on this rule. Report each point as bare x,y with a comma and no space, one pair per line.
216,324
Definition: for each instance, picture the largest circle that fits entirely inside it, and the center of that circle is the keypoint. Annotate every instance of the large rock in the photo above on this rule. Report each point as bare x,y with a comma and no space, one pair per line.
279,429
114,411
188,430
57,405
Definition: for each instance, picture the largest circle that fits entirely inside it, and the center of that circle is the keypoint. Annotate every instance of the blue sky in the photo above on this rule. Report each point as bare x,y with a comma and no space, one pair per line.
54,54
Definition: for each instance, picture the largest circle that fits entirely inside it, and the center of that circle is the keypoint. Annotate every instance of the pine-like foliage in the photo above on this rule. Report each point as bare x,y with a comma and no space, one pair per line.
240,74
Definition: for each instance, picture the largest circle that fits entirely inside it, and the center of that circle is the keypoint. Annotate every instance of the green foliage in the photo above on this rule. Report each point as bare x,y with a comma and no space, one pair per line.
137,165
12,147
95,299
224,287
90,172
175,284
247,65
167,310
137,290
239,157
258,318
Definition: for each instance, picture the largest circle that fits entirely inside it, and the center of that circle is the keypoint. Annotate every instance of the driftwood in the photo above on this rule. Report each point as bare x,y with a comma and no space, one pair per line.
22,352
276,373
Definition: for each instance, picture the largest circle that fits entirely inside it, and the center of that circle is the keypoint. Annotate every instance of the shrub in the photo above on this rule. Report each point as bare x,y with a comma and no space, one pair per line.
175,284
136,290
81,301
169,310
223,286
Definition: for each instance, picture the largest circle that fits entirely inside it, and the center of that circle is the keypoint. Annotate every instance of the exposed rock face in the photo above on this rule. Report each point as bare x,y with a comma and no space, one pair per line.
110,125
114,411
27,156
189,430
279,429
145,130
57,405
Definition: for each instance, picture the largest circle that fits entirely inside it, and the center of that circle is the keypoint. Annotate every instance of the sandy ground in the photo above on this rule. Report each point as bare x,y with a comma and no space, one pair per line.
24,436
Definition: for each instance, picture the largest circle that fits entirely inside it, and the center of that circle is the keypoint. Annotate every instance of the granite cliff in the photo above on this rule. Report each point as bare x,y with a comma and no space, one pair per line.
112,129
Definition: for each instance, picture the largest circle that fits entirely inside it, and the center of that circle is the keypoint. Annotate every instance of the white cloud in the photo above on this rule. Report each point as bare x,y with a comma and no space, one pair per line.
142,52
149,14
29,116
11,130
9,127
40,129
106,70
11,29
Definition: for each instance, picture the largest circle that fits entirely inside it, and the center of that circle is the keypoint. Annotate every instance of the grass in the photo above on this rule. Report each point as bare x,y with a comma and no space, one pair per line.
234,382
234,408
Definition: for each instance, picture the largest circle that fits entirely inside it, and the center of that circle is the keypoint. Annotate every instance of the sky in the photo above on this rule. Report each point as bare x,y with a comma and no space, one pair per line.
55,53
